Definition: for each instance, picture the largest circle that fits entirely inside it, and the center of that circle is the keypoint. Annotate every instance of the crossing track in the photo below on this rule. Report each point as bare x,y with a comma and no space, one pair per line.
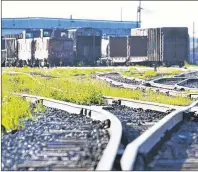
139,104
136,117
138,152
193,74
96,113
166,83
188,84
148,85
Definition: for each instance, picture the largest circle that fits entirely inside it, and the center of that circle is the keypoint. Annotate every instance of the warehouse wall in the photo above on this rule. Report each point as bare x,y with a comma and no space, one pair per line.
117,28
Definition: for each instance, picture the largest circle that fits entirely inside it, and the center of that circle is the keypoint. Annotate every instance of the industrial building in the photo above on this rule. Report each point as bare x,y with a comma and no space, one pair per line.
108,27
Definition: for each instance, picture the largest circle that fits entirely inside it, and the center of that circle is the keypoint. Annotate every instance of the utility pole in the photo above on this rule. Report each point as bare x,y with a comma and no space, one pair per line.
193,60
139,8
121,14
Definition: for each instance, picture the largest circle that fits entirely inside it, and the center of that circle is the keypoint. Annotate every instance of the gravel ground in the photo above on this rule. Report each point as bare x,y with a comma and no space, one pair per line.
119,78
56,141
180,152
135,121
191,84
171,81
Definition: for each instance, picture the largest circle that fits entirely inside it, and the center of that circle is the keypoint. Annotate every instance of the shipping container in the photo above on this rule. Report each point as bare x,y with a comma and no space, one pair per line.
168,45
86,45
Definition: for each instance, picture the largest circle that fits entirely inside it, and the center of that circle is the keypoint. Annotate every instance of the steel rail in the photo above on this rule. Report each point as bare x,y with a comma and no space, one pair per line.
179,85
166,91
186,73
109,154
140,147
140,104
170,87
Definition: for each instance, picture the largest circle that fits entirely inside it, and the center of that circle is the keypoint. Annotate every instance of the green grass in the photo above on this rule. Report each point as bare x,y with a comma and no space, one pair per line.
72,85
148,73
187,65
13,109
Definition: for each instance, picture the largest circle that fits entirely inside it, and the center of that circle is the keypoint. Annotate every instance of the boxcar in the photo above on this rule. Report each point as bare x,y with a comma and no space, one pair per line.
166,45
86,45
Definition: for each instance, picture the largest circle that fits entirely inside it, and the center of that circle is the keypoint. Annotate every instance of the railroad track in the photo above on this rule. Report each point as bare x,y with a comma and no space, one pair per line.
66,137
75,137
193,74
117,77
147,85
167,83
171,144
188,84
136,116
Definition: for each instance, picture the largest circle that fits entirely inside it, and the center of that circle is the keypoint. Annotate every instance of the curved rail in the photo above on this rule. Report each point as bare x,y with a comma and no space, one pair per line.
185,74
164,90
159,85
115,130
179,85
137,151
140,104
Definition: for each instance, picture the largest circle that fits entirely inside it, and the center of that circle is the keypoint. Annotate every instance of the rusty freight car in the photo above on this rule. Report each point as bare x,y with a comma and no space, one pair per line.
86,45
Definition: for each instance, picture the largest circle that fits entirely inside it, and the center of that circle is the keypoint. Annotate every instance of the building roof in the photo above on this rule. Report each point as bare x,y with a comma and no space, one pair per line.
42,22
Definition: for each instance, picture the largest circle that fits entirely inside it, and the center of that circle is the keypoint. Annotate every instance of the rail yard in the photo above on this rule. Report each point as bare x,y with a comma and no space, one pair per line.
85,95
99,118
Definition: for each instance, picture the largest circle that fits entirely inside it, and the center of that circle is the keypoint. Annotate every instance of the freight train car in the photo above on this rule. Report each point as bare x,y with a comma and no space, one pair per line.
53,48
26,47
136,49
166,45
38,47
11,49
3,51
115,48
86,45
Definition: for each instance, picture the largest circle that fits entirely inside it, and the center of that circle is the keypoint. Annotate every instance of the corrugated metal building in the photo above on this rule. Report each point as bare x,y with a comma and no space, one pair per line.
108,27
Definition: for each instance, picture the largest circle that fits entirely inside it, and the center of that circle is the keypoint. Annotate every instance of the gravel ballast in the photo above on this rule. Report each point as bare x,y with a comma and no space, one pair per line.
56,140
180,152
135,121
119,78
